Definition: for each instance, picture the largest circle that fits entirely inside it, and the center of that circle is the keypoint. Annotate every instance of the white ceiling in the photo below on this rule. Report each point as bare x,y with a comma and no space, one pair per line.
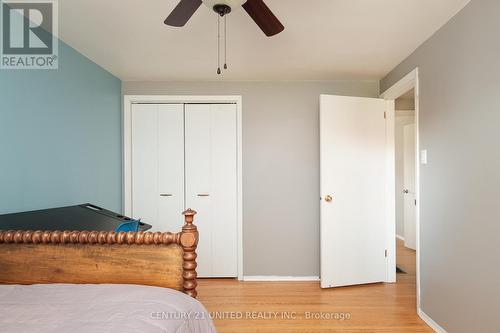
323,39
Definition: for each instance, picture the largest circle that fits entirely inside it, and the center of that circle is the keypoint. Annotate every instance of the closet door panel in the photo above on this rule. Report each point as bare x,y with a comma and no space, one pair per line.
224,189
145,162
211,174
170,167
158,165
198,169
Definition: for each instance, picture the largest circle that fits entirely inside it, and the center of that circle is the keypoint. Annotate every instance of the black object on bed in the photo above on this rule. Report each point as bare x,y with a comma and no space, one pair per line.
80,217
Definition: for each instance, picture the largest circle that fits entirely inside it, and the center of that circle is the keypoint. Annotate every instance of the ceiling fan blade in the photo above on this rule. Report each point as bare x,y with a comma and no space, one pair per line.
264,17
182,12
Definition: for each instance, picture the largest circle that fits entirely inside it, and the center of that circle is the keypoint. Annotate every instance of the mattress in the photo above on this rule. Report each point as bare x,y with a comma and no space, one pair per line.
100,308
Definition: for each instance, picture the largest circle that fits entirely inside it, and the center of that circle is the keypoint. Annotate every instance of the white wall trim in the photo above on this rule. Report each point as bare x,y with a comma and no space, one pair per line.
410,81
402,86
400,237
390,191
128,100
270,278
428,320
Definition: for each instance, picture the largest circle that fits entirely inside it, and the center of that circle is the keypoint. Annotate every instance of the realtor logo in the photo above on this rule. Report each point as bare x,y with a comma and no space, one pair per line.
29,34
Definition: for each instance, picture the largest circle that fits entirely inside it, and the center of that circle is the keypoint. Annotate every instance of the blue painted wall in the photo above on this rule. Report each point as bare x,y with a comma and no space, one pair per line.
60,136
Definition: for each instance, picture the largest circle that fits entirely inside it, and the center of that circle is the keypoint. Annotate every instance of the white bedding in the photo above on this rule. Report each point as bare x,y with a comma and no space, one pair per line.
100,308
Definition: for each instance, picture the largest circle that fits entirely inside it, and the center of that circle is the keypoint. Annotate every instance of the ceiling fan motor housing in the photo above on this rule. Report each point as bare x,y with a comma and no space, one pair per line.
222,9
220,6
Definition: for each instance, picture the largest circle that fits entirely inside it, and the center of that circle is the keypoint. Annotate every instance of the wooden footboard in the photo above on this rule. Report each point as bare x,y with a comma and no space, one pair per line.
92,257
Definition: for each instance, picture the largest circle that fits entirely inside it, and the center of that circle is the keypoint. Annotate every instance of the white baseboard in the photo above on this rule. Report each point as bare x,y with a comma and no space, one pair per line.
263,278
428,320
400,237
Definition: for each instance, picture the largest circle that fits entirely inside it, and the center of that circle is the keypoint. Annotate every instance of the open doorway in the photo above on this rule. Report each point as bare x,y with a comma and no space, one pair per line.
404,250
405,183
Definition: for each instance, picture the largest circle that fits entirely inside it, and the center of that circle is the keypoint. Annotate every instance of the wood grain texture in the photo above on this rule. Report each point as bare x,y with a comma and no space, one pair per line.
152,265
145,258
380,308
189,240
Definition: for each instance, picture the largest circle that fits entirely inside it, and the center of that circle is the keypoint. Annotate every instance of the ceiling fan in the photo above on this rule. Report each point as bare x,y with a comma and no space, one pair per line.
257,10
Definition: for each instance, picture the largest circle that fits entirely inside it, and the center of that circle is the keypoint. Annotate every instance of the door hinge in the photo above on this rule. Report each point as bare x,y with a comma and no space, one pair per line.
385,115
385,252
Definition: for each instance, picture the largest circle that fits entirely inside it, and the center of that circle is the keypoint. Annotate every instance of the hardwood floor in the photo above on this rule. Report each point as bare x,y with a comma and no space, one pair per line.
282,307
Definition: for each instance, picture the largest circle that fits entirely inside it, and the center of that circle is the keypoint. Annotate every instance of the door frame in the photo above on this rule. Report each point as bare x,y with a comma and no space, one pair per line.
128,100
410,81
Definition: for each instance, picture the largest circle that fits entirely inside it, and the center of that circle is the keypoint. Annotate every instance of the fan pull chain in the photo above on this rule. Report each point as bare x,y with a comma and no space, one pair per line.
218,45
225,41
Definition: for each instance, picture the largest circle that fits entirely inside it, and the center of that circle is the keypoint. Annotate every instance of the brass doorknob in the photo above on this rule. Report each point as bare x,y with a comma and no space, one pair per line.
328,198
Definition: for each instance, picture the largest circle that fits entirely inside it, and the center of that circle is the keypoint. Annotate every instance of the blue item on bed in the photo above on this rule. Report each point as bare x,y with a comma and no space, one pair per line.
132,225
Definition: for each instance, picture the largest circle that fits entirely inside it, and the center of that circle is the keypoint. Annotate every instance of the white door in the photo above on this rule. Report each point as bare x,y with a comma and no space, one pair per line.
211,185
353,189
158,165
410,228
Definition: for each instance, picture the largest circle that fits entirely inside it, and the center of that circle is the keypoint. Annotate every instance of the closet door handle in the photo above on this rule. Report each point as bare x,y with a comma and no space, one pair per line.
166,195
203,194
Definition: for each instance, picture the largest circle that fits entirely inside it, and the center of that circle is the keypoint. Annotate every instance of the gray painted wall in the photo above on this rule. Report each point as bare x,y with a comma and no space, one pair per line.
280,166
60,136
460,187
405,104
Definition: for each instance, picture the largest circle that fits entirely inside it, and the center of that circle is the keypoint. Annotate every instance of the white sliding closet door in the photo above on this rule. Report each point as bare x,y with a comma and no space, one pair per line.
211,184
158,165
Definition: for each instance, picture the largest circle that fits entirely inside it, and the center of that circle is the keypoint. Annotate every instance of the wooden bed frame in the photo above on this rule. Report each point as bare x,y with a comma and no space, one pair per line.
101,257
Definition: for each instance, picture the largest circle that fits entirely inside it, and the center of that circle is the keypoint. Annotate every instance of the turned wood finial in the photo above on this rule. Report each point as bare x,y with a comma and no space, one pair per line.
189,241
189,216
